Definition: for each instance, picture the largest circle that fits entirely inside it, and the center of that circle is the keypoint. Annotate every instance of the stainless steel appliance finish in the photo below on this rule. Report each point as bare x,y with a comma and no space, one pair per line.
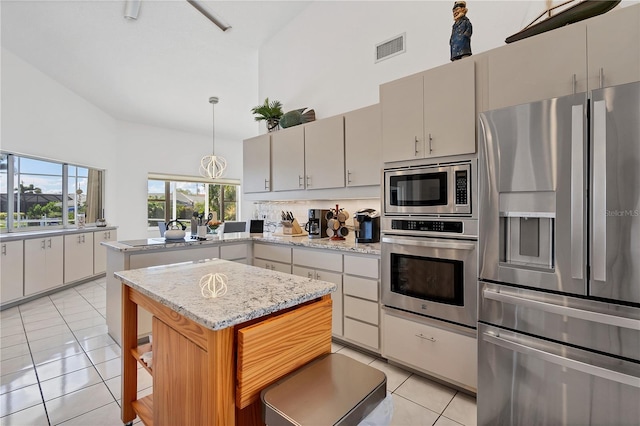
535,170
316,226
435,277
445,188
559,244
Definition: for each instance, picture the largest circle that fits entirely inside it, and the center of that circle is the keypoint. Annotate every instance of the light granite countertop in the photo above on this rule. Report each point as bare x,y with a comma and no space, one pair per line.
347,245
27,235
252,292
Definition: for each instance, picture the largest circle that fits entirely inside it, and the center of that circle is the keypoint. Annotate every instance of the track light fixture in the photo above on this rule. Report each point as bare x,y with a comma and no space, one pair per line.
131,9
209,15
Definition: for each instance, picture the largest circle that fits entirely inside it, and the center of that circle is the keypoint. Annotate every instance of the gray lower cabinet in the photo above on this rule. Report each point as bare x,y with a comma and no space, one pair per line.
11,271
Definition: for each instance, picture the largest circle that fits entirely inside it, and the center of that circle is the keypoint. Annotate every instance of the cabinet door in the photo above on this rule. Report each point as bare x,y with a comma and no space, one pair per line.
78,256
363,146
324,153
336,296
450,109
539,67
612,46
256,159
287,159
445,354
43,264
100,251
401,102
11,271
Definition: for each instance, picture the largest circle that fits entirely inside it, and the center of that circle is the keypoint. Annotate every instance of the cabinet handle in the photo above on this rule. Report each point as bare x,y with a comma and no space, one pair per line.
348,176
83,241
4,249
573,83
430,140
422,336
266,184
49,242
79,239
300,181
601,78
109,234
44,242
310,275
415,145
308,180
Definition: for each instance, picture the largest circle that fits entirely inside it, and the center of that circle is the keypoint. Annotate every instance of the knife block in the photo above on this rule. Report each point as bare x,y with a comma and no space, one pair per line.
291,227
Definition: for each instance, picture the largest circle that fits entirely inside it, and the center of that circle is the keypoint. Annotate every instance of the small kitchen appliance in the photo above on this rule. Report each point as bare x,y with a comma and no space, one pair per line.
367,226
317,224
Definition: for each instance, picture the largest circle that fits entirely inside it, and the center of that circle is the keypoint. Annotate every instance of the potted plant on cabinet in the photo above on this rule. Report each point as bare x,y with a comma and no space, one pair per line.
269,111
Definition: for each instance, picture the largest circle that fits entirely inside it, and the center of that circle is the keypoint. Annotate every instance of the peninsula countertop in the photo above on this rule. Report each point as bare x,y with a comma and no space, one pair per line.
252,292
347,245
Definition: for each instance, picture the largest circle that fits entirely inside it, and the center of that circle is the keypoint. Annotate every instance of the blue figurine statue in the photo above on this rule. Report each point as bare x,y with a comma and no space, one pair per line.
461,31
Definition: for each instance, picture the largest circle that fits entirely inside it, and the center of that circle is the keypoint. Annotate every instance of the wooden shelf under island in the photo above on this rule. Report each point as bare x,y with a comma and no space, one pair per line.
213,356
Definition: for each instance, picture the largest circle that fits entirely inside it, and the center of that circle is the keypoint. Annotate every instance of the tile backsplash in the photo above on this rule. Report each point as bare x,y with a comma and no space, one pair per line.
270,211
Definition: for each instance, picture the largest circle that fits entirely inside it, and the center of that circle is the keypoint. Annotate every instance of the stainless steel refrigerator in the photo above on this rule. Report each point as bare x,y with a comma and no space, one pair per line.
559,261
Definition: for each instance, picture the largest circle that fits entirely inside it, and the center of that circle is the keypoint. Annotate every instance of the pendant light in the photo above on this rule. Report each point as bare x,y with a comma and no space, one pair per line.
213,166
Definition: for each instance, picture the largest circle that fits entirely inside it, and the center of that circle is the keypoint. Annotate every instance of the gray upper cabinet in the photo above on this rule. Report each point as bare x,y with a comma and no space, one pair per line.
324,153
256,154
363,146
612,48
287,159
430,114
545,66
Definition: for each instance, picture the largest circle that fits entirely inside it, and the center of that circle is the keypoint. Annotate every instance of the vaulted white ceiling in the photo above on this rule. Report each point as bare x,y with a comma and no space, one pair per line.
160,69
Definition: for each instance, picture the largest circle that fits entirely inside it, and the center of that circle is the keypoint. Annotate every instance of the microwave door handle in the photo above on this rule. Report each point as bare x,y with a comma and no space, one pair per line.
562,361
599,249
430,243
577,191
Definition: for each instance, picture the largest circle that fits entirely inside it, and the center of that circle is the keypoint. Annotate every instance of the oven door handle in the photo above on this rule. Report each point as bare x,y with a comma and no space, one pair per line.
431,243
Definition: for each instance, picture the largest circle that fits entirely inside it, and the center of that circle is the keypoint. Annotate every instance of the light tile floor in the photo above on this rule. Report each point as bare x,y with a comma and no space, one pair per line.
59,366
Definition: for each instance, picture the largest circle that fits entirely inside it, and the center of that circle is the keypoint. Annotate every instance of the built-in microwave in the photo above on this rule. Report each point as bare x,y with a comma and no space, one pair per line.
431,189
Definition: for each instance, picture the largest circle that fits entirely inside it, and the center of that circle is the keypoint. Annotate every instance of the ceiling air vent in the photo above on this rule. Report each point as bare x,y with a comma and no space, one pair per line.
389,48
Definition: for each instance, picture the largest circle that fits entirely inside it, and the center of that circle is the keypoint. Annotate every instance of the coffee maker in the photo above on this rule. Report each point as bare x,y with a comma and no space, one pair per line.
367,226
317,224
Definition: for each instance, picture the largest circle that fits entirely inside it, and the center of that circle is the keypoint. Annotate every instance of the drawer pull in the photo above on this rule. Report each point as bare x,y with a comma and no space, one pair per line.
422,336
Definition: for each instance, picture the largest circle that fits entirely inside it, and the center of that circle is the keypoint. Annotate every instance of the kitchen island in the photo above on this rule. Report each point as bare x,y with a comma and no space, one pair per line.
213,356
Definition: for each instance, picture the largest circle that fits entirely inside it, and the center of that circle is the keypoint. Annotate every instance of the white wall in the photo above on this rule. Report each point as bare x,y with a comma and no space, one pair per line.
325,58
43,118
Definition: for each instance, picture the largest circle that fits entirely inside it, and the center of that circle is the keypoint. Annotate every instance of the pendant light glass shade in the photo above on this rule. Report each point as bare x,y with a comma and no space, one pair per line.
213,166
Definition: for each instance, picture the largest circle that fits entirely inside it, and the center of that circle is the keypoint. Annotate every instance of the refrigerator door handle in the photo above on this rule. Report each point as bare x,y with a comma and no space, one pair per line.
552,308
590,369
577,191
599,248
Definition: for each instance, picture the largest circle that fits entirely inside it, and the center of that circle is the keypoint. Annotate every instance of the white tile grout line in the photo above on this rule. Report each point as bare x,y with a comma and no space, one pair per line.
79,344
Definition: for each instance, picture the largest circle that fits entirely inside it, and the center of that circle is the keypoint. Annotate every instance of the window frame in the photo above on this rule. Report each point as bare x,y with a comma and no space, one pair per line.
66,223
170,210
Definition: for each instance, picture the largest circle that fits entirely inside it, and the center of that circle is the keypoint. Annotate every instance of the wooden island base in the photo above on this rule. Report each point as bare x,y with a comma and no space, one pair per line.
214,377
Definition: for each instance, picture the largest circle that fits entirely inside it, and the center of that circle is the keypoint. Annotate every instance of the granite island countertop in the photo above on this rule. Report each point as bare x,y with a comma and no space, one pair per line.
347,245
252,292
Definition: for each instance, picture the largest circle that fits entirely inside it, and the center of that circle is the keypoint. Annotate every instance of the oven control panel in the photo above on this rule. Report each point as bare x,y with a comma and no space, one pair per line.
428,225
461,187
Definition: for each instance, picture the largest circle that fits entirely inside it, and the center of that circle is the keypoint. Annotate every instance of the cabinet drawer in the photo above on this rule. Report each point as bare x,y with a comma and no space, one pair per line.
363,266
317,259
360,332
233,251
272,348
361,309
272,252
442,353
361,287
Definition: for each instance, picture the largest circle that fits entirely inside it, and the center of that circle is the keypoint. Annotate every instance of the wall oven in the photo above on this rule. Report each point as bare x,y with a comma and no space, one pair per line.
431,189
432,276
429,232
